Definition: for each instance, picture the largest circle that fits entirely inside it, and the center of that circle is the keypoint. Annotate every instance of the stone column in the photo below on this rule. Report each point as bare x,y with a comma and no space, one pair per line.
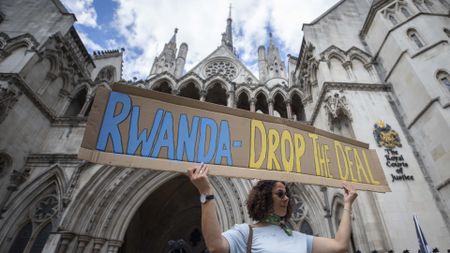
369,67
98,244
85,106
66,237
348,67
203,95
83,240
327,209
175,92
288,109
253,104
230,101
270,101
63,101
113,246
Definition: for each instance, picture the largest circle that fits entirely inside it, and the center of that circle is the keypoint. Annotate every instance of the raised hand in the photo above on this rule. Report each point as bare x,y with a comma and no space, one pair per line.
199,177
349,194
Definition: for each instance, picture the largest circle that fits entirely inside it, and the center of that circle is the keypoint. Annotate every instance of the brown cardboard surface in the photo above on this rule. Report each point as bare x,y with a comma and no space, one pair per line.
293,151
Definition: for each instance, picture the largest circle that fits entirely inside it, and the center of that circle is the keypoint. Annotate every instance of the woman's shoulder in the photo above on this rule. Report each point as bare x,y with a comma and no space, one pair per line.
241,227
238,232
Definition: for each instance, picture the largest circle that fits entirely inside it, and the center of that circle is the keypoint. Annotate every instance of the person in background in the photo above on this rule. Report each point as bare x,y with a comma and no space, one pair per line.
268,204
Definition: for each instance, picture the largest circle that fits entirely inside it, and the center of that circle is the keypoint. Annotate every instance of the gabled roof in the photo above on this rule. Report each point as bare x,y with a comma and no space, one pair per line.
223,52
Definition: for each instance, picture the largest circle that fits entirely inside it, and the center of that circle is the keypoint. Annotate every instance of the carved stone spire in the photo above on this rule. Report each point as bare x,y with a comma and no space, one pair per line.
166,61
227,37
174,37
274,62
270,64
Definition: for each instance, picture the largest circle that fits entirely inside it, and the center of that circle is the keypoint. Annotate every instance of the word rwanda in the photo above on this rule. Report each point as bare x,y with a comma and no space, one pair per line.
161,134
133,127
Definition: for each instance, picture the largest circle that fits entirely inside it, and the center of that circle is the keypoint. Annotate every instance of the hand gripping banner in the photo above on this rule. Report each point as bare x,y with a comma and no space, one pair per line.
134,127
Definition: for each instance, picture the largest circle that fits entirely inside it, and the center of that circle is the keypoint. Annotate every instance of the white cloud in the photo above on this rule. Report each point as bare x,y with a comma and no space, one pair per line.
83,10
147,25
88,42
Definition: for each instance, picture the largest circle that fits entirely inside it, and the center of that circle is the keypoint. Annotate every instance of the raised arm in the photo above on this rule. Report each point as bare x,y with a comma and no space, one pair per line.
212,233
341,241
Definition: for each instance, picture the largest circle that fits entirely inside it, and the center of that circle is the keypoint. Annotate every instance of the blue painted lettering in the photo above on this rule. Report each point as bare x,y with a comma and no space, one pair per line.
202,155
224,149
186,139
110,124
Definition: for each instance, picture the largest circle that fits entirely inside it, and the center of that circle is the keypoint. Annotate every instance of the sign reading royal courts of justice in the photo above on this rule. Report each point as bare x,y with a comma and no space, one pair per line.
134,127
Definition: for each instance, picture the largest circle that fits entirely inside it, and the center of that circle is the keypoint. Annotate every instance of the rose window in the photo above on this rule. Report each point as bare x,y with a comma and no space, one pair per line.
46,208
222,67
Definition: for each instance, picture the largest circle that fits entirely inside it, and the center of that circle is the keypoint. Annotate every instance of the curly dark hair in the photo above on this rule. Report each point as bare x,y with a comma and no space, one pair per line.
260,204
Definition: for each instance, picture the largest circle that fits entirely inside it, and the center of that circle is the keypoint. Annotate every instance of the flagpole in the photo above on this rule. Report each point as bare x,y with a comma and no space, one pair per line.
424,247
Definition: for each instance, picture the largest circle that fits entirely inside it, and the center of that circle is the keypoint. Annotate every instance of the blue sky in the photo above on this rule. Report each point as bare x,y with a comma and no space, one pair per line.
142,27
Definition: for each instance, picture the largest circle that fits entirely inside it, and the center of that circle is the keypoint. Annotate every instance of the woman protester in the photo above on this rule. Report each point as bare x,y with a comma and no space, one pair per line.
268,204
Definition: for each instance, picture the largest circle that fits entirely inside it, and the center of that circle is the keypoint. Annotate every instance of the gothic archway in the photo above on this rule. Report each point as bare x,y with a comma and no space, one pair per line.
170,213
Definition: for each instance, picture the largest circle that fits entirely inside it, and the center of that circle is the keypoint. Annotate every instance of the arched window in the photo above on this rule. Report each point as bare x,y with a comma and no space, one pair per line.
106,74
444,79
243,101
298,111
22,239
76,104
392,19
414,36
279,106
261,105
190,90
163,87
217,94
405,12
41,239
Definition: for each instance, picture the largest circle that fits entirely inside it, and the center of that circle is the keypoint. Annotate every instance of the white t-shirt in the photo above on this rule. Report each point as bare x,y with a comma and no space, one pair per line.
269,239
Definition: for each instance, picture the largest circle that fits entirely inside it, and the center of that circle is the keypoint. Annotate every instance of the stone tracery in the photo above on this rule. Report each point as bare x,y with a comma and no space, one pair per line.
336,105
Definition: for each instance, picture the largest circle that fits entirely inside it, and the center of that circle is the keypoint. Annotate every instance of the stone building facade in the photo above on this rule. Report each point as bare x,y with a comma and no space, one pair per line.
377,71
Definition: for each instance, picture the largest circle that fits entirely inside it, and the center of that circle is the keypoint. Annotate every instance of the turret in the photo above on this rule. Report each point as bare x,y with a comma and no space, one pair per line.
276,68
181,60
262,63
167,61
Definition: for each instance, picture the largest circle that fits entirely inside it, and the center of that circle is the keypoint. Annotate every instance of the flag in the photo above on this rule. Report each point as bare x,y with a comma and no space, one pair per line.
424,248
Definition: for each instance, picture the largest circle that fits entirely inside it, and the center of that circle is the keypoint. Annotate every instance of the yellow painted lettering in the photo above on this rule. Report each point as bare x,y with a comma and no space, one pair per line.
369,170
299,150
339,149
350,163
314,138
359,167
274,141
327,160
257,125
286,139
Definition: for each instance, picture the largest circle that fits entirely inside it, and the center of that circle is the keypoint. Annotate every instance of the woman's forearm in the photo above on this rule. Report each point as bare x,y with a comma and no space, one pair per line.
345,227
212,233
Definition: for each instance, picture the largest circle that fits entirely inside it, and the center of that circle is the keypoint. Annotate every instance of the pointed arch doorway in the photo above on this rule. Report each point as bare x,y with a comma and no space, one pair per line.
170,213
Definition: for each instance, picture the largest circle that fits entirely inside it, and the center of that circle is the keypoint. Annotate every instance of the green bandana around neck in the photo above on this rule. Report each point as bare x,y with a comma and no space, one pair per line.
277,220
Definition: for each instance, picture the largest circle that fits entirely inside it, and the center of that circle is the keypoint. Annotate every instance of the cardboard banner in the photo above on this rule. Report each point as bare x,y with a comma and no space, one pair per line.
134,127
